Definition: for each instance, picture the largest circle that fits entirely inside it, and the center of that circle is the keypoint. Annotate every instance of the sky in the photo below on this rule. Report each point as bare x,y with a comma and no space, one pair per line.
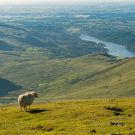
58,1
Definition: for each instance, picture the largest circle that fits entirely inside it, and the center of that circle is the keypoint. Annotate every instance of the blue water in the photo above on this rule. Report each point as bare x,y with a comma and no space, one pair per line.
113,49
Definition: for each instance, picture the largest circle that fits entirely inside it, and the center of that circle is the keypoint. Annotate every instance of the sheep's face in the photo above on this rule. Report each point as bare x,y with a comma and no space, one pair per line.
34,93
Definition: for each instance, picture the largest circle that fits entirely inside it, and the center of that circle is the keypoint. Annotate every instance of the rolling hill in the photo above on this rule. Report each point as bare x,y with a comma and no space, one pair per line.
87,76
7,86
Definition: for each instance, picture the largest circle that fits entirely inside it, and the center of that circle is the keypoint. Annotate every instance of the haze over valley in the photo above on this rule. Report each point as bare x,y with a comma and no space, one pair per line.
42,48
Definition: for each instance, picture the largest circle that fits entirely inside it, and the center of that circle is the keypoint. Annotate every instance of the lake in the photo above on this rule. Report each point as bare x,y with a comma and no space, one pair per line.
113,49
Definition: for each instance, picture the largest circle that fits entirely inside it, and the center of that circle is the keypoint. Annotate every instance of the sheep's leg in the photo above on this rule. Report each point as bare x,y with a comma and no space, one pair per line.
21,105
29,107
25,109
21,108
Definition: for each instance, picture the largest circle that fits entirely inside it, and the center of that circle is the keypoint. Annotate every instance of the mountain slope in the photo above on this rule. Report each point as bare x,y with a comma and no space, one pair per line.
71,117
82,77
116,81
7,86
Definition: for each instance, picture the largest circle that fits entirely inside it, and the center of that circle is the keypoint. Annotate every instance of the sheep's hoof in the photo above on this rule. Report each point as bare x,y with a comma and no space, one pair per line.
25,110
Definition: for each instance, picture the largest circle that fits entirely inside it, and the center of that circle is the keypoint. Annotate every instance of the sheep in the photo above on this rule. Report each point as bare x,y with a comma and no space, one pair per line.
26,99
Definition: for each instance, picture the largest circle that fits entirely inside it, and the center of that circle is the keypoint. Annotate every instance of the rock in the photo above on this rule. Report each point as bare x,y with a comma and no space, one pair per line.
93,131
116,113
114,109
116,123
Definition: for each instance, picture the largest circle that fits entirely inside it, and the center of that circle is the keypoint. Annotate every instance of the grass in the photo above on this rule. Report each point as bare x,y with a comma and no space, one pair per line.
114,81
72,117
55,75
84,77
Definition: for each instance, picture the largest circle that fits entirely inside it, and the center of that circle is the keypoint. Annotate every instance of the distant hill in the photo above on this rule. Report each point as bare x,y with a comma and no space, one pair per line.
82,77
7,86
115,81
6,47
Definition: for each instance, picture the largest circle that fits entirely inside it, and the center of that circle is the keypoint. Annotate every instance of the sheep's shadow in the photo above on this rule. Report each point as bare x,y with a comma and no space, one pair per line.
34,111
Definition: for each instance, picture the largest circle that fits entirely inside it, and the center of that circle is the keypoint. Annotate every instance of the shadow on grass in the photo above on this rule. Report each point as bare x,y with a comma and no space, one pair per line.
34,111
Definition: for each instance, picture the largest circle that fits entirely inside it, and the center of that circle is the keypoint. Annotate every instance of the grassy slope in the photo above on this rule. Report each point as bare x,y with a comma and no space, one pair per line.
52,77
82,77
70,118
112,82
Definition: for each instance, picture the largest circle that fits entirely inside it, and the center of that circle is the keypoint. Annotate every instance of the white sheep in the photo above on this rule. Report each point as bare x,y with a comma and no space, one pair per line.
26,99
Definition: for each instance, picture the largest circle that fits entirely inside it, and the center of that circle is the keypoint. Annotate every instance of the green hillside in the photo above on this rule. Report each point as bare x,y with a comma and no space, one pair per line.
80,117
118,80
7,86
81,77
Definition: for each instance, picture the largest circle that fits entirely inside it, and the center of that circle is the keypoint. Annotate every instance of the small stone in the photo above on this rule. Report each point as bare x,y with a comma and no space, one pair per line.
93,131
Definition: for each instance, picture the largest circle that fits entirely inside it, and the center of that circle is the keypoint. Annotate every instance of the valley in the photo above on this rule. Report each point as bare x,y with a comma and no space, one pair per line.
43,51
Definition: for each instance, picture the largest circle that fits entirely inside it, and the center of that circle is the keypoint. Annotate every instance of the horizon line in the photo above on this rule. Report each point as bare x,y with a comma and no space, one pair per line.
66,2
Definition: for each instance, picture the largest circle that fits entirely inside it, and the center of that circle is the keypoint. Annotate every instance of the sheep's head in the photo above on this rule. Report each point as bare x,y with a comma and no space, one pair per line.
34,94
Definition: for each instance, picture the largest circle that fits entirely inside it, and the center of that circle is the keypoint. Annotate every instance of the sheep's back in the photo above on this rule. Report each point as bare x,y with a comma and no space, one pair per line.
30,98
25,99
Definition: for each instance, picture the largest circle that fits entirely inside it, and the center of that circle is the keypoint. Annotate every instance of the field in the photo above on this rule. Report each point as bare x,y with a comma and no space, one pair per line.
73,117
